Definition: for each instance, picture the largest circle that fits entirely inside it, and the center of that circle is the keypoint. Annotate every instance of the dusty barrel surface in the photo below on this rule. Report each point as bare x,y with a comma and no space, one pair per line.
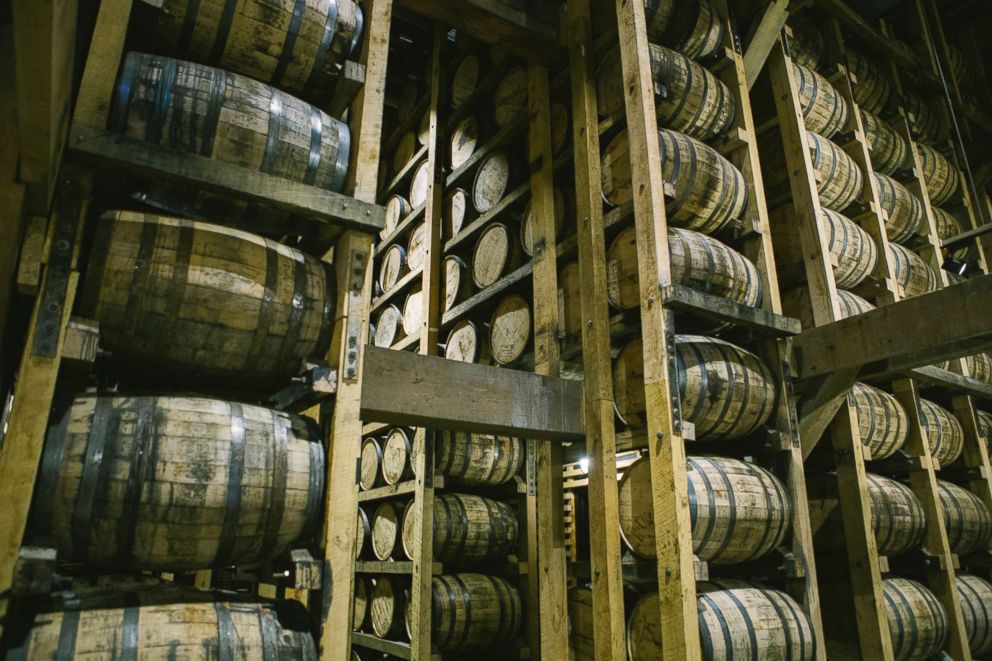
854,250
116,469
806,44
510,99
386,523
726,392
839,180
940,177
187,299
492,254
688,98
466,344
917,620
231,118
473,612
896,516
510,329
474,459
888,149
872,90
397,451
922,121
709,192
913,275
692,27
882,421
824,109
904,210
944,433
393,265
370,461
527,222
183,624
739,511
697,261
975,595
947,227
387,606
966,518
852,304
294,46
468,530
736,620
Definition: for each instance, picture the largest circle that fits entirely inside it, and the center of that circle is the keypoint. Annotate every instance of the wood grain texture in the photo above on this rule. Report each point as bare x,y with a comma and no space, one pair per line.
887,148
475,459
917,621
976,595
474,612
943,432
824,109
882,421
940,177
469,531
966,518
897,516
904,211
871,87
692,27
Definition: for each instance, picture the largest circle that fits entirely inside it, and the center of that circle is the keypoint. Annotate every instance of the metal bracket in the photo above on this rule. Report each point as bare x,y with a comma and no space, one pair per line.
353,329
48,326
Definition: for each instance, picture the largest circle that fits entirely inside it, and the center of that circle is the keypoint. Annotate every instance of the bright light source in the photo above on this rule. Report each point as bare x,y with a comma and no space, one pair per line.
584,465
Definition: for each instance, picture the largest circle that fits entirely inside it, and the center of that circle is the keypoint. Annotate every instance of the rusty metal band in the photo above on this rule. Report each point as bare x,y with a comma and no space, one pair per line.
315,492
277,492
275,128
226,636
129,630
51,462
287,47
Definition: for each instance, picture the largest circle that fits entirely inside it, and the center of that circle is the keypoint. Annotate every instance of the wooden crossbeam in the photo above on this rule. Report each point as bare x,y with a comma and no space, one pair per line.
772,21
945,324
423,391
895,50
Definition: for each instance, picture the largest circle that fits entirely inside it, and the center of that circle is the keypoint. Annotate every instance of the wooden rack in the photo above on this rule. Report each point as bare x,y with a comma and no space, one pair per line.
661,309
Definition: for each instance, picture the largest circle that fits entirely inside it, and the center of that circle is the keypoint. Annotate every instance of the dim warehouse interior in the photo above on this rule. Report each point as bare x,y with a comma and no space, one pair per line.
560,330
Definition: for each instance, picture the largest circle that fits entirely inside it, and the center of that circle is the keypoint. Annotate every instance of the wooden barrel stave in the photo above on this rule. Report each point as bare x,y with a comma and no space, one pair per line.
913,275
298,48
739,511
397,209
944,433
115,471
984,419
387,606
736,621
698,261
510,329
896,516
473,459
948,226
419,183
917,621
688,98
386,528
882,421
725,391
362,599
469,530
839,180
854,250
413,312
234,119
397,451
363,532
888,149
474,612
806,45
975,595
189,300
824,109
923,124
904,210
369,464
966,518
852,304
692,27
871,88
940,177
464,140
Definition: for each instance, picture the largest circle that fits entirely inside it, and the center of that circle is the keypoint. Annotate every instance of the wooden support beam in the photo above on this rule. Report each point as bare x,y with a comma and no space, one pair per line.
422,391
895,50
904,335
772,21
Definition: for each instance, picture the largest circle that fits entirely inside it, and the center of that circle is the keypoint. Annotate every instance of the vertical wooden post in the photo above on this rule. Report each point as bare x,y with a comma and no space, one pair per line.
604,524
669,490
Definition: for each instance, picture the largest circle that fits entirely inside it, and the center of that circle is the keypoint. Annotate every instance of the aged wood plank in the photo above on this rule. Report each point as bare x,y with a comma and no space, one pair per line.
723,309
96,90
772,21
895,50
406,389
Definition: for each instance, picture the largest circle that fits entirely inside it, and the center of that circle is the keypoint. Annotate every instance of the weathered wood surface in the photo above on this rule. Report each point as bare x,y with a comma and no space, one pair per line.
510,329
976,595
882,421
478,459
966,518
806,44
887,148
896,516
469,531
691,27
474,612
943,431
940,177
386,528
396,456
917,621
904,212
871,87
387,606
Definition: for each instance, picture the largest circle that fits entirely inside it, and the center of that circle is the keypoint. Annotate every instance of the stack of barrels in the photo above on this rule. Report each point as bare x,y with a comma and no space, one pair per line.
474,602
159,474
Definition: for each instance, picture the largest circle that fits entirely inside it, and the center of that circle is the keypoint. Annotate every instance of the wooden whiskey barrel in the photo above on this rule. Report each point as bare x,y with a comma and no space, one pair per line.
465,79
984,419
406,148
456,282
824,109
370,460
692,27
393,265
904,210
295,47
363,530
491,182
871,87
474,612
397,451
917,620
882,421
966,518
471,459
963,72
709,191
424,128
852,304
975,595
230,118
510,329
569,300
948,226
838,178
888,149
152,623
510,100
913,275
944,433
940,177
464,139
465,343
492,254
697,261
397,209
806,44
979,366
688,98
413,312
527,222
726,392
736,621
896,516
387,326
386,522
416,248
189,300
419,184
387,606
739,511
850,247
922,121
469,531
362,597
115,470
455,204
